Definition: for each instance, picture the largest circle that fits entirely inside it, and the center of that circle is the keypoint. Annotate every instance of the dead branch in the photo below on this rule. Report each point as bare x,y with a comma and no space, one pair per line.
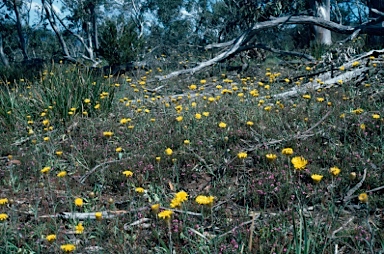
349,194
84,177
241,43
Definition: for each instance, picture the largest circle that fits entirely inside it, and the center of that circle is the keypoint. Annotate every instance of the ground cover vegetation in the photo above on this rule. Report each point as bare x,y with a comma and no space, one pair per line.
205,165
117,136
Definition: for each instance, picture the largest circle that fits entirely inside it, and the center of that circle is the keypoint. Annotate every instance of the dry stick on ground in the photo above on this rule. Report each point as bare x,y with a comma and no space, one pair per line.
341,228
251,232
84,177
349,194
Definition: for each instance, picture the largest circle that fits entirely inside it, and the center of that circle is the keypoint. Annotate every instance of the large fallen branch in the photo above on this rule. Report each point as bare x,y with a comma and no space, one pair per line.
242,42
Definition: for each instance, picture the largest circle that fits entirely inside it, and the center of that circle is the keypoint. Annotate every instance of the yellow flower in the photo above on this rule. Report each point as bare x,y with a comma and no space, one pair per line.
271,156
62,174
362,126
198,116
342,68
45,170
119,149
140,190
46,139
45,122
86,101
3,201
3,216
79,229
204,200
59,153
68,247
287,151
187,142
299,162
179,108
376,116
128,173
320,99
182,196
335,171
358,111
158,159
250,123
97,106
168,151
98,215
307,96
165,215
268,108
363,198
242,155
155,208
108,134
192,87
203,81
179,118
222,125
206,114
342,115
79,202
124,120
286,80
356,63
50,238
352,176
316,178
308,68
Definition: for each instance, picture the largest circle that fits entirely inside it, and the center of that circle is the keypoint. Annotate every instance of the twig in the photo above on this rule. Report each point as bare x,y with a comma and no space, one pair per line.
198,233
354,189
277,141
319,122
341,228
256,216
251,232
84,177
182,211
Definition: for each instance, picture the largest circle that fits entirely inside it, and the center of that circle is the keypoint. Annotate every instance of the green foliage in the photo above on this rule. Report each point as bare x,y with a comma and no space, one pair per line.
263,203
119,42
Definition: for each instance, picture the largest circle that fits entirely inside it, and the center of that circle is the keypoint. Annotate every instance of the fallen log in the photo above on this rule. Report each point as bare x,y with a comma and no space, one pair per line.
241,43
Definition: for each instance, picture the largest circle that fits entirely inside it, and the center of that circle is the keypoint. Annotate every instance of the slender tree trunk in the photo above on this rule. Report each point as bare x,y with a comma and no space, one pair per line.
52,22
20,30
322,9
94,27
3,57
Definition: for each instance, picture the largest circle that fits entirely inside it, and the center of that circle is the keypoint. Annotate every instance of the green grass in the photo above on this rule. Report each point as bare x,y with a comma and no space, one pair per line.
43,117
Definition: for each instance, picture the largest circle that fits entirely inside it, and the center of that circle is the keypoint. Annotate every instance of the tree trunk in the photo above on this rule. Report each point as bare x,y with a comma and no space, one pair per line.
48,8
322,9
20,30
3,57
375,40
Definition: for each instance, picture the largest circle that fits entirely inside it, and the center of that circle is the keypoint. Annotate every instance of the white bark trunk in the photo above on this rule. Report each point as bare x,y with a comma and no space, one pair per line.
323,10
3,57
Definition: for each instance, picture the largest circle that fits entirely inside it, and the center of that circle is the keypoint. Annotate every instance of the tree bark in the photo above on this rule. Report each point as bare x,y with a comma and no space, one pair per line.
322,9
20,30
48,8
3,57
